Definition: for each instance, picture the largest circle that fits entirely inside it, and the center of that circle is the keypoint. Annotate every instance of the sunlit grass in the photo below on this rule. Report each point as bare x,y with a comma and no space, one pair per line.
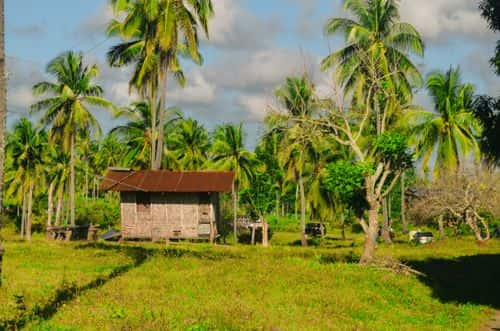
203,287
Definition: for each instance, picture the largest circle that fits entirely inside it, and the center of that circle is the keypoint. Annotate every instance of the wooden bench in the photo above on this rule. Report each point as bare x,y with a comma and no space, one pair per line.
68,233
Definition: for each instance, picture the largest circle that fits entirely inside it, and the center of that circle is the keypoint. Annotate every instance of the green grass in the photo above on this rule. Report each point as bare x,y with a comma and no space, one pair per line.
285,287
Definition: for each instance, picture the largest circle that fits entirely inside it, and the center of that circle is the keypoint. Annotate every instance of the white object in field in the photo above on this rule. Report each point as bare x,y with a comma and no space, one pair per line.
424,240
412,235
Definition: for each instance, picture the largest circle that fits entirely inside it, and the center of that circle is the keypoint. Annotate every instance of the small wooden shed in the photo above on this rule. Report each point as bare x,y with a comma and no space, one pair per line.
161,204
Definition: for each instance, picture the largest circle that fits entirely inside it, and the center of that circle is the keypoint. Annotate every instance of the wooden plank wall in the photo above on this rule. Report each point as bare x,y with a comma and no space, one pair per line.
171,215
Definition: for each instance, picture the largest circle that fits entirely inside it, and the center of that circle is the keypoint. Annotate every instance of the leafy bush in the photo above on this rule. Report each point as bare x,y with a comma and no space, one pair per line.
104,212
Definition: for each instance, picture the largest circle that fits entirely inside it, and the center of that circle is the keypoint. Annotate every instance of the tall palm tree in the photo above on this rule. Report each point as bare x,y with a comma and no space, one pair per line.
26,146
299,102
190,145
376,40
155,33
66,106
451,131
229,153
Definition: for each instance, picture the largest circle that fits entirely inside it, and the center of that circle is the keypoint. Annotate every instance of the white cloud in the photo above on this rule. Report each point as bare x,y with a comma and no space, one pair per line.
256,105
234,27
20,98
259,70
198,90
438,19
21,76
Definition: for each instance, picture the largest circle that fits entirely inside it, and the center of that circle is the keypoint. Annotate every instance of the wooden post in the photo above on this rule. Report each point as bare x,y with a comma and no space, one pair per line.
253,234
213,216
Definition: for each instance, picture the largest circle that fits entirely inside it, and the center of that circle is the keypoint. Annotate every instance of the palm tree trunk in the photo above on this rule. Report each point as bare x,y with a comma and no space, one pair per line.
3,114
59,208
235,211
152,106
30,210
50,204
403,204
277,206
86,184
161,122
23,217
302,211
72,182
296,204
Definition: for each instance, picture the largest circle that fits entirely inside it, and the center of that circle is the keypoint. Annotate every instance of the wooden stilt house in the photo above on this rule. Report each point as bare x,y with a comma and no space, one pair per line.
161,204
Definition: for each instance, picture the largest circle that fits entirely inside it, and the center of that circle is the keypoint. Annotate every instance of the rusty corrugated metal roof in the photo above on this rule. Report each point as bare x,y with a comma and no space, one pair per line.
167,181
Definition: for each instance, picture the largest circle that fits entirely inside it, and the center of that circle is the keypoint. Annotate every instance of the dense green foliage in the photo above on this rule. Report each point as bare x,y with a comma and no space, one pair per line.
490,10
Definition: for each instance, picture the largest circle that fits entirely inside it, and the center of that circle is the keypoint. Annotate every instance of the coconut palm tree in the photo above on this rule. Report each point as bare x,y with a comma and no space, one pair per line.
67,106
190,145
155,33
298,144
229,153
26,147
450,131
376,40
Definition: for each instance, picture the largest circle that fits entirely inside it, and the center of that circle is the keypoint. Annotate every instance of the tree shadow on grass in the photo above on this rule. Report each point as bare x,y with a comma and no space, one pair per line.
69,291
326,242
138,252
468,279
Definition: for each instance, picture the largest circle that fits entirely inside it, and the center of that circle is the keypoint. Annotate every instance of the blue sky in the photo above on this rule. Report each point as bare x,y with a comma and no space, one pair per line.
254,45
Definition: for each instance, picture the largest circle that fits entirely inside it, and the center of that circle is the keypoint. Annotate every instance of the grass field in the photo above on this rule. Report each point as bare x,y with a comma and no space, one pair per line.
79,286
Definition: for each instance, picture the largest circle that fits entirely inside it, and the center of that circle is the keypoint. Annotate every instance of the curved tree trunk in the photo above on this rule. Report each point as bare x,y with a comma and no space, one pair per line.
486,229
303,237
30,210
472,223
72,183
363,224
371,235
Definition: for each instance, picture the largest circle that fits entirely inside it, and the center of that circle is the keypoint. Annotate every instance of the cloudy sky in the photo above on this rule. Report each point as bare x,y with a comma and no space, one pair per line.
254,45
